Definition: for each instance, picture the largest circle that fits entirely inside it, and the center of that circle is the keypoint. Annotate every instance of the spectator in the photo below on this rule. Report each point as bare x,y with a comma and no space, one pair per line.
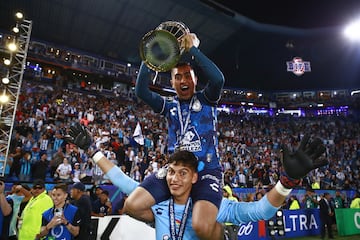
102,207
339,200
88,172
24,202
95,194
18,194
25,167
5,212
76,173
326,215
55,161
228,193
230,228
15,164
61,221
355,203
293,203
82,201
310,199
40,168
30,220
64,171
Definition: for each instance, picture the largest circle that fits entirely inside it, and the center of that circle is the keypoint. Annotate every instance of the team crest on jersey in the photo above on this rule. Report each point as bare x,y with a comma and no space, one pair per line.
196,106
166,237
298,66
191,141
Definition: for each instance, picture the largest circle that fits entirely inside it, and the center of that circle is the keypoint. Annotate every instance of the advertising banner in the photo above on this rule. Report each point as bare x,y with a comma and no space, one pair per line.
347,221
297,223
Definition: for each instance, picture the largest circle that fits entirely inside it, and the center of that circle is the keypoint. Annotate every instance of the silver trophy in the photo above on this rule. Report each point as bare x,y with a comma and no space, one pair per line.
160,48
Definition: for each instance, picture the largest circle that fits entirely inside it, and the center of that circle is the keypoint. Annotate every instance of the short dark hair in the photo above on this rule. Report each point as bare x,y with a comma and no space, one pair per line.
181,64
61,186
185,158
106,192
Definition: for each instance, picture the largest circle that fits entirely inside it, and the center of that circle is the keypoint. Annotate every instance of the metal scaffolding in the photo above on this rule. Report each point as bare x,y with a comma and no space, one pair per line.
12,89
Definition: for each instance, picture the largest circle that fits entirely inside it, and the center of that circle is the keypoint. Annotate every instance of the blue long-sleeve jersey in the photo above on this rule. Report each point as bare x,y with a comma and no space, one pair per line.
230,211
191,124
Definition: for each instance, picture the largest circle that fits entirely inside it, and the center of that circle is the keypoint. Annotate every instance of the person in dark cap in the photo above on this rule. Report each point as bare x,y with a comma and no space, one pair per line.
81,200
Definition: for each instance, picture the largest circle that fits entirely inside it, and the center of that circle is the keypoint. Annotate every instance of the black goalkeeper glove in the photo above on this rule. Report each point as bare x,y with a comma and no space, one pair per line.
80,136
299,163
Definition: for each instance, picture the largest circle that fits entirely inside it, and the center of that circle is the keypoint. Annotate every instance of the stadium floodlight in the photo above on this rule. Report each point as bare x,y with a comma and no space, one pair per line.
12,46
4,98
19,15
5,80
352,31
15,29
7,62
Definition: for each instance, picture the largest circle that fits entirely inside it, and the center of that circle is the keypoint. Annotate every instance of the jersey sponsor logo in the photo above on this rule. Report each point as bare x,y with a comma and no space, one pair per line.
245,230
191,141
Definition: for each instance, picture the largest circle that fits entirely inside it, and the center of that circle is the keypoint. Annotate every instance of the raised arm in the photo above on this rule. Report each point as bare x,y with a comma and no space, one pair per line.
81,137
142,91
297,165
212,73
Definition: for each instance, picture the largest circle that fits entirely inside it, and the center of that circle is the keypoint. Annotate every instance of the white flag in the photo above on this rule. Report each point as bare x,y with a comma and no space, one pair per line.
138,136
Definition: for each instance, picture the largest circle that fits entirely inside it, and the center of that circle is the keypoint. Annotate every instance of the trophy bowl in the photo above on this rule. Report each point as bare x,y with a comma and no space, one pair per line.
160,48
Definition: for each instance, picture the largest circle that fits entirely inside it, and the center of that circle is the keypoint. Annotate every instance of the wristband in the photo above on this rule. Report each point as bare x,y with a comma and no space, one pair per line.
282,190
97,156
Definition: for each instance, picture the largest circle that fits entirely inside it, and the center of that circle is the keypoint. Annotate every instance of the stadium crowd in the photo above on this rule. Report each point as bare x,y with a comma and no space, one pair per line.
249,146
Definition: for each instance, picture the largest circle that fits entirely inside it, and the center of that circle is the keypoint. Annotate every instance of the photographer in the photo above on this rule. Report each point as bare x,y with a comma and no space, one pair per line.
62,221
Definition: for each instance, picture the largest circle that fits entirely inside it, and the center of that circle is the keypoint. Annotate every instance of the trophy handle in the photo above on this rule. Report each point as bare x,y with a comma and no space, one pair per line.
178,29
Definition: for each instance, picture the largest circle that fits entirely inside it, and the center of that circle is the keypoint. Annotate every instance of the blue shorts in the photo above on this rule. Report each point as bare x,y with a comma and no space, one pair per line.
208,187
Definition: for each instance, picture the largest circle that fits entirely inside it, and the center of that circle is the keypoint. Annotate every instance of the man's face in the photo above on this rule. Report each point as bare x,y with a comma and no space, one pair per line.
75,193
180,180
37,190
184,81
98,191
103,197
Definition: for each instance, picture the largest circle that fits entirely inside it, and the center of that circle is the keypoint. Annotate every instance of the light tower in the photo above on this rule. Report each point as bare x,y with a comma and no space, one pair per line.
17,47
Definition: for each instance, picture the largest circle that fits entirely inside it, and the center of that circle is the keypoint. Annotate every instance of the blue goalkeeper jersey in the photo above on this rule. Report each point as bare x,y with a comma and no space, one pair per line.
191,124
192,127
230,211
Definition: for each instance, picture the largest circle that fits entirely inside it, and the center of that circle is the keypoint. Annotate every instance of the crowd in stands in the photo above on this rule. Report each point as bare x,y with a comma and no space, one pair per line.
249,146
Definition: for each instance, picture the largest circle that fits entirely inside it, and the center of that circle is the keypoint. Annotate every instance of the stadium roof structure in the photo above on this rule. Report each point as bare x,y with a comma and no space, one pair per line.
250,41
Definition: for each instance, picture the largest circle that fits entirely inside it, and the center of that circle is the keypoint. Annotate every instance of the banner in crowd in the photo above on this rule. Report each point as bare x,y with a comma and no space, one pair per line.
347,221
297,223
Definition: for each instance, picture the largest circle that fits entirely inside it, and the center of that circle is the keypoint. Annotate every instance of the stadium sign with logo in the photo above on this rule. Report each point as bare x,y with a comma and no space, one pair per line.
298,66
